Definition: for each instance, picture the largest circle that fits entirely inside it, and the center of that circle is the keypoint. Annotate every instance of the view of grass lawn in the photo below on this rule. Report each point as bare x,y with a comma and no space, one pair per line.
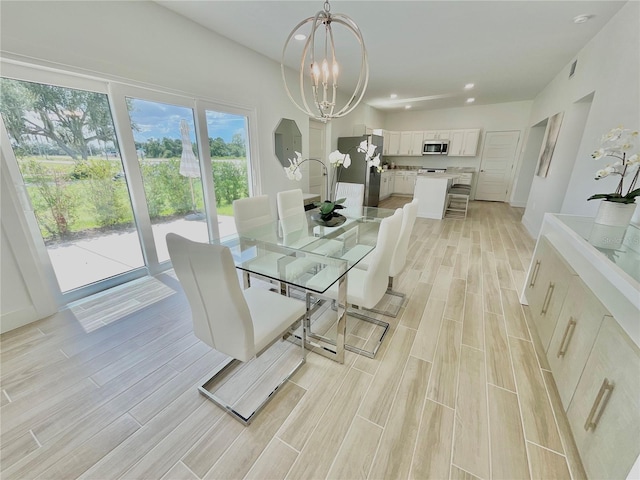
71,197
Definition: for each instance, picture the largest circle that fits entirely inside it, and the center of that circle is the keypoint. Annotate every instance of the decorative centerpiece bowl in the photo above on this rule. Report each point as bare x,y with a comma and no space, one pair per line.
327,215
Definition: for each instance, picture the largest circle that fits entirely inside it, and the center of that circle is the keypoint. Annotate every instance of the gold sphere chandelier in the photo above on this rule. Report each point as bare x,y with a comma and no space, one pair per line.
319,83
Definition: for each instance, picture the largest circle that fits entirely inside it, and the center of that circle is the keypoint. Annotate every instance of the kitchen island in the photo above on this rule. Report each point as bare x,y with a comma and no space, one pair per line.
431,192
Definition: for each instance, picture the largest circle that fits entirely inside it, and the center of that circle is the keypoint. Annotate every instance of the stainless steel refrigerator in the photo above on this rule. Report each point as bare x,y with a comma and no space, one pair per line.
358,171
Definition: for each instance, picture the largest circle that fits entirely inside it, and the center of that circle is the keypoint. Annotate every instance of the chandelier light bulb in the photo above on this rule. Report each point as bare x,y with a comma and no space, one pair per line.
318,81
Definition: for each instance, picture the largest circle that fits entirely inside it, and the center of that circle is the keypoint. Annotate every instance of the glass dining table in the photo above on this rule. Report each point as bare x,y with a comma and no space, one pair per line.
302,255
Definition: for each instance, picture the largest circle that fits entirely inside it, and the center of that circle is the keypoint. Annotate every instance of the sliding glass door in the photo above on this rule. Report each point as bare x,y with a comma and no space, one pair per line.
66,149
229,151
168,159
111,169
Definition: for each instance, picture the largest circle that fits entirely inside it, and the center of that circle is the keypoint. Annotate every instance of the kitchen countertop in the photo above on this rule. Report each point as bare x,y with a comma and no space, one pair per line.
438,175
309,198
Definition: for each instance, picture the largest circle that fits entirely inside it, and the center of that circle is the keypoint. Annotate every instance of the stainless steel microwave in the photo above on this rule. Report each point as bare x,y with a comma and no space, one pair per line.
435,147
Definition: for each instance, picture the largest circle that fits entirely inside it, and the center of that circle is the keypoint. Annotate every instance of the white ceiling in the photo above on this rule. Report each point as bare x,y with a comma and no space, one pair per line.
419,49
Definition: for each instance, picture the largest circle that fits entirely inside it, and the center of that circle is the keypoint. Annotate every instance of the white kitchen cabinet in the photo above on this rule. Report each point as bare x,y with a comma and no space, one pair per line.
417,138
394,143
436,134
411,143
464,143
386,184
405,143
385,142
405,182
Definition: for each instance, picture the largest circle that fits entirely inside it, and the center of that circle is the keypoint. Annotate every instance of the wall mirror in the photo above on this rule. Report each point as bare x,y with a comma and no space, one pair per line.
287,140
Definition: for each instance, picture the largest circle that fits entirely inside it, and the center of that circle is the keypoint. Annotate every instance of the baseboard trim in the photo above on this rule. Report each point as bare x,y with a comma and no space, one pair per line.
17,318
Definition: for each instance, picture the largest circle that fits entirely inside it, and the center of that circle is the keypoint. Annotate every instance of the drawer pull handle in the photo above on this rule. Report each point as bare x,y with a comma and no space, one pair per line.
534,276
547,299
571,327
596,413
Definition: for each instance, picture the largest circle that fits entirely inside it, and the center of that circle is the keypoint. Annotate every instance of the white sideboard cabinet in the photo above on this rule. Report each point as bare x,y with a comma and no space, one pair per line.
585,304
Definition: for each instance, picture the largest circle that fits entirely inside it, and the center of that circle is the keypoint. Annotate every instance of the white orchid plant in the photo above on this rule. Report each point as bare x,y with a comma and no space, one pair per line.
618,143
336,159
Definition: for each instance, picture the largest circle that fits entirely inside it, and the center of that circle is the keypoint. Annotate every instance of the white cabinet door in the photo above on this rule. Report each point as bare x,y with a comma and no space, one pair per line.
456,143
405,183
398,182
471,138
385,184
394,143
385,142
436,134
416,143
405,143
464,143
604,413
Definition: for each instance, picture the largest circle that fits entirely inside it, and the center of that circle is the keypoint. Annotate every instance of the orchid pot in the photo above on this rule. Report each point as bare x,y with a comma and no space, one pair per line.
617,208
615,214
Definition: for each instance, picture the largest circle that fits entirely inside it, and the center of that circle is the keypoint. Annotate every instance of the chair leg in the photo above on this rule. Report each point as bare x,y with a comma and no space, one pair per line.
375,321
228,368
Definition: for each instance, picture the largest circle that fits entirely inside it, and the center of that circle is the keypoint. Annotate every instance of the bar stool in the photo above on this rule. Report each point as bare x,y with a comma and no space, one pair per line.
458,201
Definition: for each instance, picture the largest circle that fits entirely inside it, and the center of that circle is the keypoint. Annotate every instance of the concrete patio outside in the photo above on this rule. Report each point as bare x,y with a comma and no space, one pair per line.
87,261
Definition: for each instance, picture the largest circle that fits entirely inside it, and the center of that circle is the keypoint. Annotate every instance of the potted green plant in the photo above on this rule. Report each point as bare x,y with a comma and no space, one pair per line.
618,207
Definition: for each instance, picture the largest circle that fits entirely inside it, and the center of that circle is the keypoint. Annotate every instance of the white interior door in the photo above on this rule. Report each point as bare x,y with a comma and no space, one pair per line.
498,157
316,150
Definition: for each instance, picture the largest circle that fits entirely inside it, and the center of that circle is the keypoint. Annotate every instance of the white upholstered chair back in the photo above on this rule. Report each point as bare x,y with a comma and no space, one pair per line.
221,317
353,192
290,202
293,220
402,247
251,212
377,277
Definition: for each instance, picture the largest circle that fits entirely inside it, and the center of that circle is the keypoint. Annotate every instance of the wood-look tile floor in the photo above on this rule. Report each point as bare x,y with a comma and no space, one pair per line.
107,388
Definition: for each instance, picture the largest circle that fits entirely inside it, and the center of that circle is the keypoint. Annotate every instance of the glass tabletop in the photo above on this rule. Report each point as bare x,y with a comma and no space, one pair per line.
299,252
621,245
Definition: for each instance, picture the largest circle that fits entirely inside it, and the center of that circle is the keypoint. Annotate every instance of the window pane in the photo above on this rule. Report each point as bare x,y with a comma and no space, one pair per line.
228,147
69,158
169,161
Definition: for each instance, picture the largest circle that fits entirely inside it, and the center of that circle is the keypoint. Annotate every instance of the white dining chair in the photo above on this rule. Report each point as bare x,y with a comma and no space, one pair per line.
295,229
252,213
353,192
365,288
399,258
241,324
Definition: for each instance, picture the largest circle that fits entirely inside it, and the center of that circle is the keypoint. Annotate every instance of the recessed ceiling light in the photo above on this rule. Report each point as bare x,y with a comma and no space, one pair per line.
393,95
471,100
469,86
407,107
300,36
582,18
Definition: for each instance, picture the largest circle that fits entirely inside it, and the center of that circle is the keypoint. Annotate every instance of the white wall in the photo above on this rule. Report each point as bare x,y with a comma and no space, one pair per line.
608,67
527,166
146,43
496,117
